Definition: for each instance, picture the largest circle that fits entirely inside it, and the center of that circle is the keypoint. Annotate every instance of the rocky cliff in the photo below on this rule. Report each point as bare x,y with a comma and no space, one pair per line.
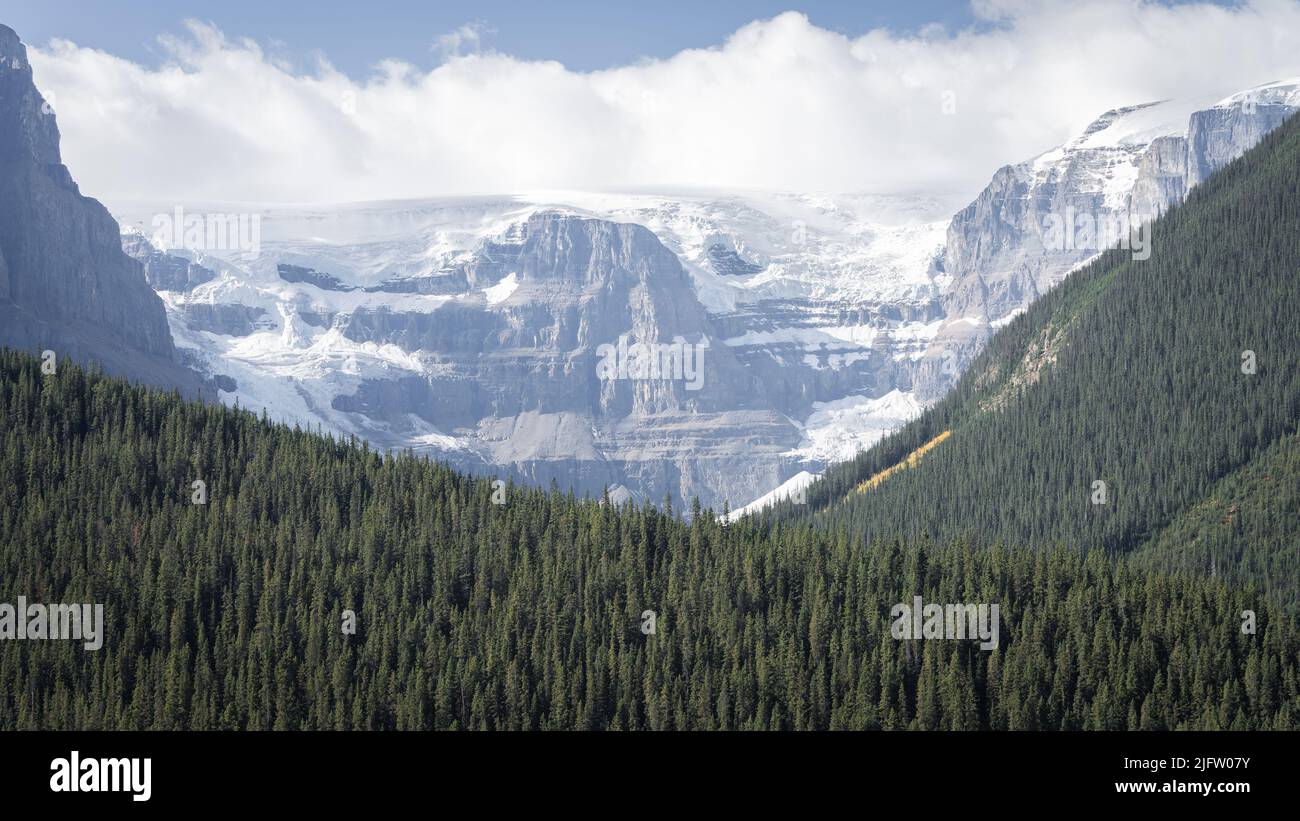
65,283
1039,219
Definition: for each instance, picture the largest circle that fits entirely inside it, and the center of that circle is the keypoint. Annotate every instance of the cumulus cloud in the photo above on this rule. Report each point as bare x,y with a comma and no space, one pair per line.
780,105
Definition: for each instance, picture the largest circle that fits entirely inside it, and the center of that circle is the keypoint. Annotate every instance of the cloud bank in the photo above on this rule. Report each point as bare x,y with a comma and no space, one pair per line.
781,105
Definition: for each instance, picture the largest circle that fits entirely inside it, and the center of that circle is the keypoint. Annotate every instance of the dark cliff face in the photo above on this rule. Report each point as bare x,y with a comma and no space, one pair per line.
65,283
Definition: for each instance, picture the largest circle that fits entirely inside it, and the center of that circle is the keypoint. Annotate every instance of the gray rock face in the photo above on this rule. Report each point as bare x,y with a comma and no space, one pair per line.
163,271
1219,135
994,246
65,283
297,273
729,263
220,318
1129,166
524,382
1162,176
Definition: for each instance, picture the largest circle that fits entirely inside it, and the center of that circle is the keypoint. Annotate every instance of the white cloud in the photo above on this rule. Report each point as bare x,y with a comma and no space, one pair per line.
782,105
468,37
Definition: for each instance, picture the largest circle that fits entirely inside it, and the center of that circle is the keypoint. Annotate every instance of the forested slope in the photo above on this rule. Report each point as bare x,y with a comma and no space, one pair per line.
528,614
1132,373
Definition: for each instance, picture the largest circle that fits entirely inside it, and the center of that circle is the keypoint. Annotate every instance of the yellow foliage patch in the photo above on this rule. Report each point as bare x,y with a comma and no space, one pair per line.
910,461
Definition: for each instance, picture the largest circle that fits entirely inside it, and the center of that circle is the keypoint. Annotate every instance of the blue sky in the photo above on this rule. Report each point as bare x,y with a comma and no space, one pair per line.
354,34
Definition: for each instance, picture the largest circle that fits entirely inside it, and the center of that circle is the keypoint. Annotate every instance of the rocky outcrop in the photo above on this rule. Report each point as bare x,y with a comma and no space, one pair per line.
65,283
297,273
221,318
729,263
164,271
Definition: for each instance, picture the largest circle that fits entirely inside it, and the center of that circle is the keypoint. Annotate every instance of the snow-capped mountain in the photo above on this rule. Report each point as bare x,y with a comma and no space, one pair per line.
473,328
469,328
1040,219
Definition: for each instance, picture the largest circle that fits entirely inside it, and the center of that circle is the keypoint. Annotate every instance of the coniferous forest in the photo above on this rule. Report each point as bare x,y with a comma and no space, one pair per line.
529,614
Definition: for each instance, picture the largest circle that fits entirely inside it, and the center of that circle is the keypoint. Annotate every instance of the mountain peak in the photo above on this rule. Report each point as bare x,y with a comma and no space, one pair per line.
10,43
1109,118
1277,92
27,124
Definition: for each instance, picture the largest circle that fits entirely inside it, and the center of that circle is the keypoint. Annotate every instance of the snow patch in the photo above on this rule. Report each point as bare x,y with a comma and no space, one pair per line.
837,431
496,294
791,487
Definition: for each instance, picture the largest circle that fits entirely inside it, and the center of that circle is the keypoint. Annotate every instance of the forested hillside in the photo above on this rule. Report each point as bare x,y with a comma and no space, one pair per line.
1171,381
528,614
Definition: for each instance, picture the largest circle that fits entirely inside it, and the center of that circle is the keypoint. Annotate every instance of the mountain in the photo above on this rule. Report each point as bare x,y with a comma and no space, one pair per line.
470,328
475,607
1145,406
830,321
1126,168
1114,471
65,283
